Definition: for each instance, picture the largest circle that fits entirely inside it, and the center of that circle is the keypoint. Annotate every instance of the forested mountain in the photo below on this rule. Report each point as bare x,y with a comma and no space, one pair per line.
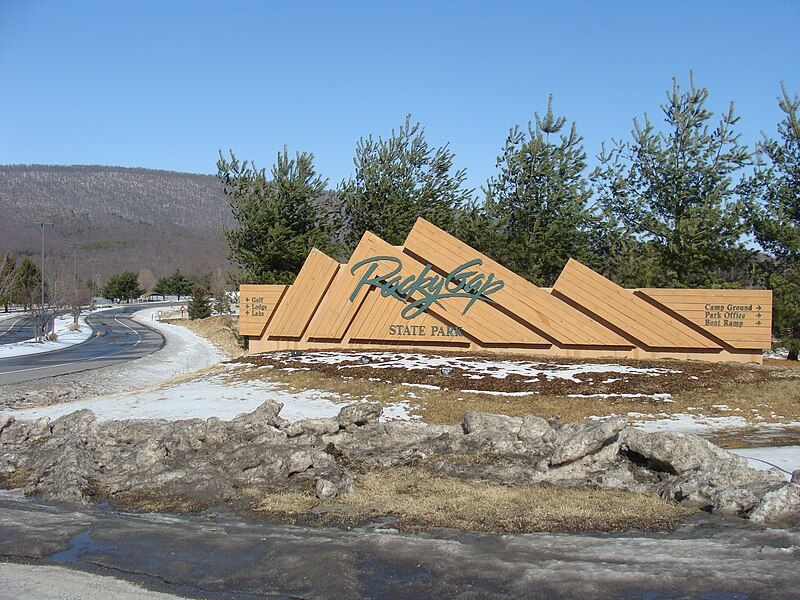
124,218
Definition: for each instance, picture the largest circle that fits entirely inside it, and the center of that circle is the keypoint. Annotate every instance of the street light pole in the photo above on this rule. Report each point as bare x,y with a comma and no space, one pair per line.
75,309
41,306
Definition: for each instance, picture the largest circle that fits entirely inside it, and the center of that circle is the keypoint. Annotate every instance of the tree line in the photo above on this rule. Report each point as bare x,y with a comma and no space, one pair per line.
679,202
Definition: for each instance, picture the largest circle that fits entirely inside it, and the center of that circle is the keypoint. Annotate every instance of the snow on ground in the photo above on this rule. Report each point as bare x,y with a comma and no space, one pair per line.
684,422
784,458
660,397
212,396
476,368
64,338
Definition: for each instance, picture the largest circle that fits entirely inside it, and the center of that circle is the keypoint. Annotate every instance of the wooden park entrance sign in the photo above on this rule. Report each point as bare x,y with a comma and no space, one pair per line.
437,293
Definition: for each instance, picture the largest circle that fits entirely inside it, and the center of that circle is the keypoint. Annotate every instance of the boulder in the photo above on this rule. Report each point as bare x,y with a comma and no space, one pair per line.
735,501
780,506
795,473
703,487
300,461
490,424
534,429
5,421
312,427
587,440
359,414
676,453
265,414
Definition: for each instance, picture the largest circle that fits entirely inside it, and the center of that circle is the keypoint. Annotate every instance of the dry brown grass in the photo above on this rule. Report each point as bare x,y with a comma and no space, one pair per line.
217,330
418,499
774,401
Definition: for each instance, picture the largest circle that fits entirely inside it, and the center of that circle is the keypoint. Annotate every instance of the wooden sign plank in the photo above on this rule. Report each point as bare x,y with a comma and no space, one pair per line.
741,318
256,306
631,315
304,295
519,297
481,320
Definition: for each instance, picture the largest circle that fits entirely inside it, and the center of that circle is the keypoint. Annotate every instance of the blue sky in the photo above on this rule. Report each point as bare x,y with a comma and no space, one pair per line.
165,84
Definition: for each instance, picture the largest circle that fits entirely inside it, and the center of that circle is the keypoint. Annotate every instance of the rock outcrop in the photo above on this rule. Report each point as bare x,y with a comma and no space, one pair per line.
198,464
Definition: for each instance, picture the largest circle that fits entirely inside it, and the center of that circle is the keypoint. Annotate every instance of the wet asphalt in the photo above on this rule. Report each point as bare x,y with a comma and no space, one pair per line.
115,338
223,556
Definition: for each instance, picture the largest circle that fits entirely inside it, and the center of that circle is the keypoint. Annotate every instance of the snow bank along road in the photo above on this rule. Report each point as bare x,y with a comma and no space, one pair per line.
18,328
116,339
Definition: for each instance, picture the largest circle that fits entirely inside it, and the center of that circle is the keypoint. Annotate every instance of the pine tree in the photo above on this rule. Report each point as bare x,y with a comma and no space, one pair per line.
163,287
27,282
397,180
278,222
8,267
199,304
122,286
538,200
774,208
675,192
179,284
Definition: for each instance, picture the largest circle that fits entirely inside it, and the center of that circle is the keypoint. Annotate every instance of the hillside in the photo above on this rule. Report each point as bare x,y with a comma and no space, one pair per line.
122,217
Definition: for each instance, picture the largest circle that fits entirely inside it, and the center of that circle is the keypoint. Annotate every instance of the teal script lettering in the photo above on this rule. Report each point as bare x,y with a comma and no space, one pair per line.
422,291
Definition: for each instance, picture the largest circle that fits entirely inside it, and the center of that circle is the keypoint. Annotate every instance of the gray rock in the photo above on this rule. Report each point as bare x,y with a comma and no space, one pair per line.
326,490
5,421
795,473
360,413
312,427
703,487
488,423
735,501
676,452
780,506
534,429
300,461
587,440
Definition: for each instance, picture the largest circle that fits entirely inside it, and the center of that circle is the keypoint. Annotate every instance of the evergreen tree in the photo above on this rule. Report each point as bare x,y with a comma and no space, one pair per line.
122,286
774,208
8,267
397,180
179,284
538,200
199,304
674,190
27,283
277,221
163,287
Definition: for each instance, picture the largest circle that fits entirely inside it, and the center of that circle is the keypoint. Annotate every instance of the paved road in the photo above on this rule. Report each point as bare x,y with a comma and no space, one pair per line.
117,338
227,557
17,329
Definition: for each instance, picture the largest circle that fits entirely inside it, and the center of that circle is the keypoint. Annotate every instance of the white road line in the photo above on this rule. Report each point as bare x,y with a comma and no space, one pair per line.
72,362
10,327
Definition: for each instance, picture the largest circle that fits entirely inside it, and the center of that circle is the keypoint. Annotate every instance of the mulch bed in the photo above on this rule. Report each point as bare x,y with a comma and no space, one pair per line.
690,375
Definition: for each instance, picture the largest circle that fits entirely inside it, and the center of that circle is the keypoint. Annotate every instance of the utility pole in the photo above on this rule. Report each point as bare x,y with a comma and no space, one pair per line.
75,309
93,283
40,329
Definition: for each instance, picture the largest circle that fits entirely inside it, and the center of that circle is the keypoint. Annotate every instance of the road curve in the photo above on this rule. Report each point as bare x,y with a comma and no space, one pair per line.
17,329
116,338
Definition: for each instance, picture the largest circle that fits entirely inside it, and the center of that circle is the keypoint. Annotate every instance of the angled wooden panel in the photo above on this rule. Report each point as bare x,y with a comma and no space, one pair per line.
481,321
303,297
377,321
256,306
741,318
633,316
529,303
336,311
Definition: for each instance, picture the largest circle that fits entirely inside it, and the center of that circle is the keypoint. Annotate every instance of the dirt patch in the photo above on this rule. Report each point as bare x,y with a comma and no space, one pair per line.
416,499
220,331
556,377
755,395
